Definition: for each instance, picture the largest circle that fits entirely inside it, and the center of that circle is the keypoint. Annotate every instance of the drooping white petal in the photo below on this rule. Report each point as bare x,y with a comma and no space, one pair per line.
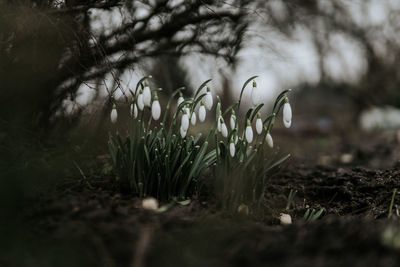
114,115
185,122
180,100
219,124
208,101
182,132
224,130
259,126
236,139
147,96
287,123
156,110
193,119
140,101
287,112
255,96
249,134
232,149
202,113
269,140
233,121
135,111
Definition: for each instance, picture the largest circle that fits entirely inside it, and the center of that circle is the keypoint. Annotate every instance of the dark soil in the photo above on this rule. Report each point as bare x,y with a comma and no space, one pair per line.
104,228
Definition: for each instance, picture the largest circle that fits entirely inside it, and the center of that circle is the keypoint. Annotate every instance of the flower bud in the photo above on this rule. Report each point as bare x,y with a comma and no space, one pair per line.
134,110
259,124
249,132
224,129
219,124
185,121
208,99
146,94
232,148
156,108
287,111
114,114
233,120
193,119
182,132
202,112
269,140
140,100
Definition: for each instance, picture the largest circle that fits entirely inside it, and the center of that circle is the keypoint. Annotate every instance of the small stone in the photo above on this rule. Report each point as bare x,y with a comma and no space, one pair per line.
150,203
285,219
346,158
243,209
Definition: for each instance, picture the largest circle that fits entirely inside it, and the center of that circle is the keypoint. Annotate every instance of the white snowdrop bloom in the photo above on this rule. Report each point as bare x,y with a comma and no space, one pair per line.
233,120
208,99
219,124
224,129
150,203
180,99
114,114
249,132
287,123
146,94
182,132
187,110
255,94
232,148
287,111
202,112
269,140
193,119
140,102
156,108
185,121
259,124
135,110
236,139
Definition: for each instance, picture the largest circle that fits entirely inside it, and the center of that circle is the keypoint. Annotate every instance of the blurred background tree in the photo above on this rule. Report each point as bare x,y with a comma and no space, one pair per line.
48,49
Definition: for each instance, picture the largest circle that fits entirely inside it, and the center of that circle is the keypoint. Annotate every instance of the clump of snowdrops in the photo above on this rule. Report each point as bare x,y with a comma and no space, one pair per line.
168,163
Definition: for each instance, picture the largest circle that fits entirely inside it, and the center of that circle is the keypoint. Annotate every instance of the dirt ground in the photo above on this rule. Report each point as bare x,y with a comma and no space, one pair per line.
94,225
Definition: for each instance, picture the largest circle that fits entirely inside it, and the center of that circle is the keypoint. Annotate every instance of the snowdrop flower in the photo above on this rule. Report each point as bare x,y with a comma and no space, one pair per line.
287,113
156,108
208,99
184,121
183,132
180,99
202,112
255,94
187,110
224,129
146,94
249,132
232,148
236,139
233,120
193,119
269,140
219,124
140,100
114,114
134,110
259,124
